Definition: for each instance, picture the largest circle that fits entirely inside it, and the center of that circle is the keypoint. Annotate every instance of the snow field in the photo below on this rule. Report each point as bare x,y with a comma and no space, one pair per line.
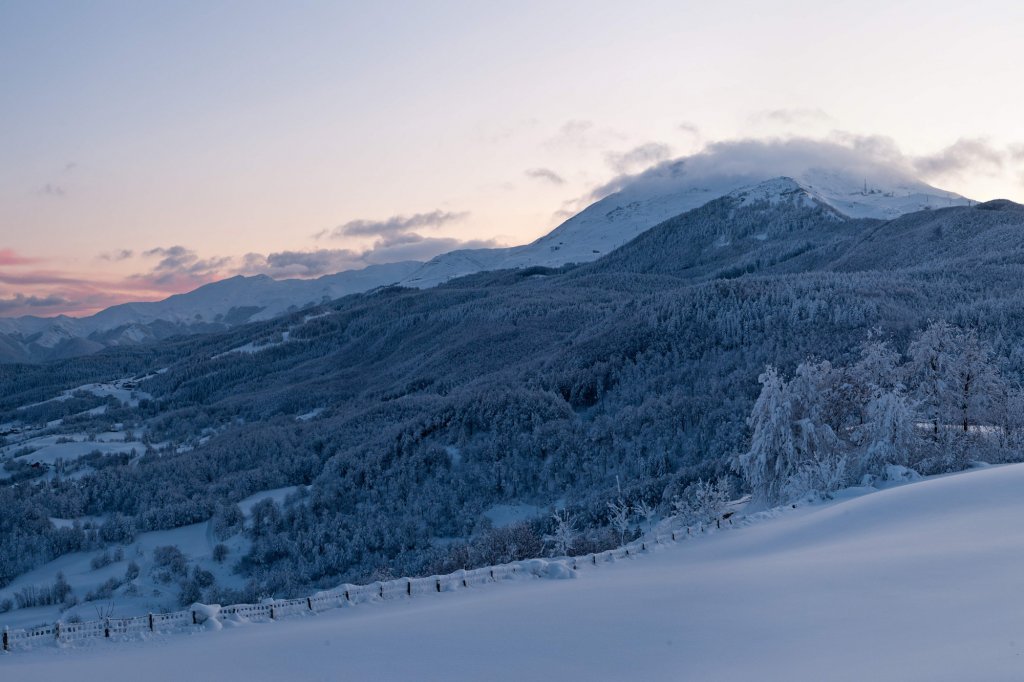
917,582
147,594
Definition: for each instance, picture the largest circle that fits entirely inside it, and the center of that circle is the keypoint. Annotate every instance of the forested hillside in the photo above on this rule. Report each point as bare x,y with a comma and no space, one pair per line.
404,415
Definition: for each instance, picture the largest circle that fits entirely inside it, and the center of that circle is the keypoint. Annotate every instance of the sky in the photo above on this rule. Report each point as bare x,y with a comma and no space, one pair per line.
149,147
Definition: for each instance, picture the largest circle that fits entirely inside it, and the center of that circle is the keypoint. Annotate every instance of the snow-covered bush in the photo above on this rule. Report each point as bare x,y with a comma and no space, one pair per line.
46,595
703,502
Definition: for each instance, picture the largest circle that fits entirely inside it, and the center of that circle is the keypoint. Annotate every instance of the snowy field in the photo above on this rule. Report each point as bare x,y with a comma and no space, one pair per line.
149,595
919,582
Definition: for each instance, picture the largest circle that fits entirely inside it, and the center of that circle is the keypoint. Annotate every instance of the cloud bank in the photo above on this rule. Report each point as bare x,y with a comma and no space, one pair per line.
22,303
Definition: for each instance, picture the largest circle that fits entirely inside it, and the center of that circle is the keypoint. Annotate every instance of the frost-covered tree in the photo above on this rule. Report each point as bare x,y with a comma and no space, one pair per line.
817,477
974,383
890,435
931,358
227,521
618,517
564,534
878,363
768,461
854,386
705,502
647,512
814,440
955,377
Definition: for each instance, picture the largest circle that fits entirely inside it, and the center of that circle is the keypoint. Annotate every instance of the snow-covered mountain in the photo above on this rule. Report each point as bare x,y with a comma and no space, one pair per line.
821,174
868,191
217,305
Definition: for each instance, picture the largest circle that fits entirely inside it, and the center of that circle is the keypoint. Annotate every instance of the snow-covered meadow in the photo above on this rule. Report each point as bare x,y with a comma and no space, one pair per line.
920,581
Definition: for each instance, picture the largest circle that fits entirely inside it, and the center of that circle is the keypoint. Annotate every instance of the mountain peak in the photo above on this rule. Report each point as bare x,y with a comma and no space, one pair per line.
848,182
776,190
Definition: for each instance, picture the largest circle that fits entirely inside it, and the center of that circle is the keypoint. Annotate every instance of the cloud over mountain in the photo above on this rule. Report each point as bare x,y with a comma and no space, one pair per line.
180,268
396,225
966,154
638,157
20,301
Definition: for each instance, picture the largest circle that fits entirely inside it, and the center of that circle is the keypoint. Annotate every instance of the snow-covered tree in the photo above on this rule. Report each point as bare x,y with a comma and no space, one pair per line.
618,517
928,372
889,433
767,463
877,365
854,386
647,512
974,382
564,534
955,377
704,502
816,477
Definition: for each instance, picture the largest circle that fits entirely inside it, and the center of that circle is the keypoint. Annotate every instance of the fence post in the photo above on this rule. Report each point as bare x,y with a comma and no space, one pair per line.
7,643
673,536
271,612
718,524
151,622
492,574
381,590
594,556
309,603
346,596
195,621
56,629
408,588
643,546
438,585
106,627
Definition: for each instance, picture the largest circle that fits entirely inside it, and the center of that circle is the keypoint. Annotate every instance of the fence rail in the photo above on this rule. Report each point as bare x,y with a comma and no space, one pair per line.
345,595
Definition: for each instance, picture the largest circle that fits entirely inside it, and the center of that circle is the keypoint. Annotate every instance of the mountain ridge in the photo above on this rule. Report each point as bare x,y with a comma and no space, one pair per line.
644,201
667,192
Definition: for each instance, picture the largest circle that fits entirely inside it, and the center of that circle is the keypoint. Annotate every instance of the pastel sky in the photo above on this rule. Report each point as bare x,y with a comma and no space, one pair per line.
147,147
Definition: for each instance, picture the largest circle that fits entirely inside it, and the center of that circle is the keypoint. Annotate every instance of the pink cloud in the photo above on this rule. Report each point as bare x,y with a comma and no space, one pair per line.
10,257
74,294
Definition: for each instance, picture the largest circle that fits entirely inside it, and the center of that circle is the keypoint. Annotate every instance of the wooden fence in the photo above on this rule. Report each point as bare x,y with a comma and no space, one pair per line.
345,595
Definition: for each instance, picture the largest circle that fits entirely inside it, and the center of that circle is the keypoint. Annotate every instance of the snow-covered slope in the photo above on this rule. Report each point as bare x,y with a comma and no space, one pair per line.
864,190
920,582
211,303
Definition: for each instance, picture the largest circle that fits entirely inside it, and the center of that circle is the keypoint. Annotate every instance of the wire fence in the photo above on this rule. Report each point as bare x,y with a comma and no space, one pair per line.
340,597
